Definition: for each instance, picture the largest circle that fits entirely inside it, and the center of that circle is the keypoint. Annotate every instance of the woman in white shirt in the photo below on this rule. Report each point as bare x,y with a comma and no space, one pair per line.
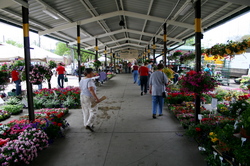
88,96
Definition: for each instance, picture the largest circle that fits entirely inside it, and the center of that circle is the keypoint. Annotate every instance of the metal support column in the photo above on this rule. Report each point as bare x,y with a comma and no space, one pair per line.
198,36
105,63
114,63
111,59
96,52
26,41
165,43
154,47
79,53
148,52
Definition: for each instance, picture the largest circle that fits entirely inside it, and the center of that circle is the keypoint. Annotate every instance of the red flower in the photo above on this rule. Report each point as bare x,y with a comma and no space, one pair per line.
55,123
192,72
59,124
198,129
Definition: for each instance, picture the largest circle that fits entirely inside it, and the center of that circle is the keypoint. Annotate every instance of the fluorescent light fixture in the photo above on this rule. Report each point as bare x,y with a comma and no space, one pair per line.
186,9
51,13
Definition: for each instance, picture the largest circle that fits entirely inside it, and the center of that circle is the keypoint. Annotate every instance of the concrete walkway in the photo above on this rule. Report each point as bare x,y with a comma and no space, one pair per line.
126,134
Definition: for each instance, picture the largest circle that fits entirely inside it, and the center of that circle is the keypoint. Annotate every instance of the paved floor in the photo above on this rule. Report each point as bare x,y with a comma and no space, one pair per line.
126,134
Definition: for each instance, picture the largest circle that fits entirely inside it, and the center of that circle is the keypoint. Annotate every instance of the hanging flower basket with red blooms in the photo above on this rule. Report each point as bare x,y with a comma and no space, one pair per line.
197,82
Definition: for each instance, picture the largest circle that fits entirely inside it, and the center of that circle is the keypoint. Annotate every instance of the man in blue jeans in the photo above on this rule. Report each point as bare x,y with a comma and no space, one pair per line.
61,72
157,83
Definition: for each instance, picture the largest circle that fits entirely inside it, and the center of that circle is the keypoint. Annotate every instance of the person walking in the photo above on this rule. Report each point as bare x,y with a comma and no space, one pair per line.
88,96
16,79
125,66
143,71
157,83
61,73
129,67
135,72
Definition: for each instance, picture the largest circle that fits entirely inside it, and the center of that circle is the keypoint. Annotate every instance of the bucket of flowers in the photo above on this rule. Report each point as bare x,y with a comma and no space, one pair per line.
197,82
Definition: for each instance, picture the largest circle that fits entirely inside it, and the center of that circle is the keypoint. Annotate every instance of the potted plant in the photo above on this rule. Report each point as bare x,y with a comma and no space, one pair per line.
4,115
245,123
197,82
13,109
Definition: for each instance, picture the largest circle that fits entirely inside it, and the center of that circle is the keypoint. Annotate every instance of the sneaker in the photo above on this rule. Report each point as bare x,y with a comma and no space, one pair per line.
160,114
141,93
89,128
154,116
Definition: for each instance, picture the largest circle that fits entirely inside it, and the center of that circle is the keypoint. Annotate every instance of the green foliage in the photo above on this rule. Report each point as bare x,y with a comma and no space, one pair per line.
14,43
62,49
13,109
70,102
13,101
190,41
18,64
52,64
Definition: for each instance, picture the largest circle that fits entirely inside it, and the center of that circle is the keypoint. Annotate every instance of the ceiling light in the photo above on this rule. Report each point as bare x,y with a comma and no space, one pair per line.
51,13
121,23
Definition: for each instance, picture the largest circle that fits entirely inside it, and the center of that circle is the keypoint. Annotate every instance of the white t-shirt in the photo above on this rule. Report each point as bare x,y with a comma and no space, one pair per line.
85,84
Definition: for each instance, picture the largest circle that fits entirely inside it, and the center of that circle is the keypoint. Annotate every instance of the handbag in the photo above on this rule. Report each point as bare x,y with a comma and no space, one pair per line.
66,79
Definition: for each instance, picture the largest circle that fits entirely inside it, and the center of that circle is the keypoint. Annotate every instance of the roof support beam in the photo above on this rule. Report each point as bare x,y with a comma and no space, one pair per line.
117,13
123,39
122,31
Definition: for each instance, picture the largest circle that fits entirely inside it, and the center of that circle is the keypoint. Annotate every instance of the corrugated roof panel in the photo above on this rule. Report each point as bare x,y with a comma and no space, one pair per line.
152,27
134,35
93,28
119,36
73,9
113,23
146,38
138,6
134,23
105,39
163,8
103,7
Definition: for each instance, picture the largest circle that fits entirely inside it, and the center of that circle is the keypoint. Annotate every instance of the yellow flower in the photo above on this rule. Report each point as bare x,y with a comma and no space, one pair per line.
214,139
211,133
228,51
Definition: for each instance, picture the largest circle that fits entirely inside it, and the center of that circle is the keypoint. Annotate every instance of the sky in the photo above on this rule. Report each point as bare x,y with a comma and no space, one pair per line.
231,30
237,27
9,32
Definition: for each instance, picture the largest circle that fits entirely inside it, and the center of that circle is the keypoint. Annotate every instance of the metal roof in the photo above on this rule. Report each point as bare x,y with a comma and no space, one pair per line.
100,19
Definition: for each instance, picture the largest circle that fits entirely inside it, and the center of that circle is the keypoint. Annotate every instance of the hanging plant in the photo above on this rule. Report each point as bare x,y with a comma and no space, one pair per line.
97,63
52,64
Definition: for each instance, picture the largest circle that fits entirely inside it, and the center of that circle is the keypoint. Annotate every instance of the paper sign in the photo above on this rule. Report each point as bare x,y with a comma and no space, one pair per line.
214,102
54,93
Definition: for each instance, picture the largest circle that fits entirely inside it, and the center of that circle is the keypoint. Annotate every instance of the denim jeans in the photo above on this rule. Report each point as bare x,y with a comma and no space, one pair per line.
18,87
157,101
60,80
135,75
